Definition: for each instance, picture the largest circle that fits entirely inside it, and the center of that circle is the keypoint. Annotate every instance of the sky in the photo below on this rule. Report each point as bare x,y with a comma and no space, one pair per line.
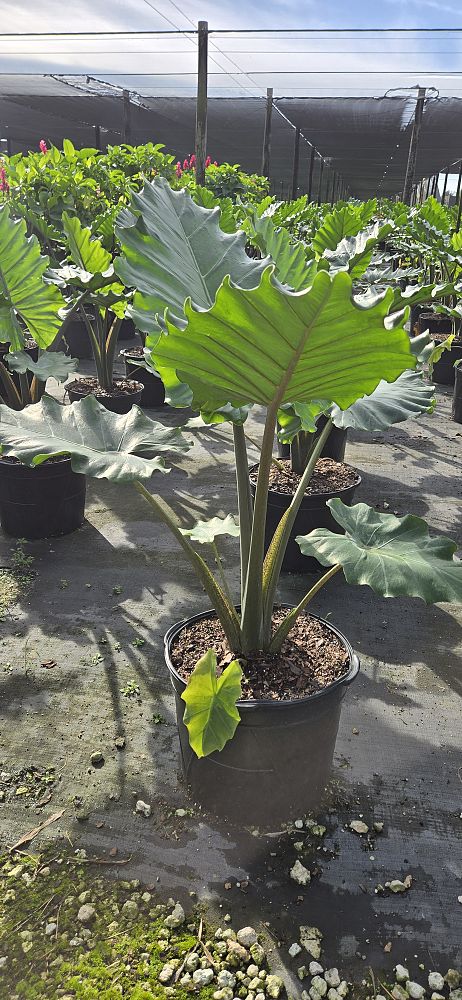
299,64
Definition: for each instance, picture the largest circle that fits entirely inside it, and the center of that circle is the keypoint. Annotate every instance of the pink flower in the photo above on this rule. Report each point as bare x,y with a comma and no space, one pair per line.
185,164
178,169
43,146
192,161
215,163
208,161
4,186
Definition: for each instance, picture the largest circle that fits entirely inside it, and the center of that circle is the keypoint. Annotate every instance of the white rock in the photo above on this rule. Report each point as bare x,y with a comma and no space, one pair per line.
294,949
226,993
315,969
437,996
314,994
332,977
143,807
192,963
333,994
259,996
358,826
435,981
86,914
176,918
300,874
455,995
186,979
401,974
319,984
343,990
298,824
253,970
274,985
226,978
75,942
3,961
50,929
166,973
246,936
415,990
202,977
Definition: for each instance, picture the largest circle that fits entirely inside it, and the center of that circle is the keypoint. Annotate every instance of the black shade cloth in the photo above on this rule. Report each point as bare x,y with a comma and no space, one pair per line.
364,139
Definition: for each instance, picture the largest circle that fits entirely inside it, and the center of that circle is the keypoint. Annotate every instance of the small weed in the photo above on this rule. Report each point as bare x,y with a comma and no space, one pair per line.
158,720
117,589
131,690
139,641
64,584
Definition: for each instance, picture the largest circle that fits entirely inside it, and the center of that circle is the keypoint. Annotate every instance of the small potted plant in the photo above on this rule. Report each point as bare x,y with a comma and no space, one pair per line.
102,303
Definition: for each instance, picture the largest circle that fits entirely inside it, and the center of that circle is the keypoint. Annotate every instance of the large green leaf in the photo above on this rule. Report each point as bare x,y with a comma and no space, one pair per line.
85,250
390,403
341,222
270,344
289,259
177,249
53,364
211,716
100,444
394,556
24,295
354,253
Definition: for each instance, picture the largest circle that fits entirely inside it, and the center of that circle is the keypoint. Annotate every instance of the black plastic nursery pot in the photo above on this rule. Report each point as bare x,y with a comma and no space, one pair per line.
127,330
31,349
76,341
153,393
443,371
313,513
121,402
457,397
41,502
279,761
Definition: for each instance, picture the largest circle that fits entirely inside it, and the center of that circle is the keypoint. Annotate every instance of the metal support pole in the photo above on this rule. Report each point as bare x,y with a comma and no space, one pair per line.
310,174
97,137
435,185
201,102
443,196
459,183
296,163
413,146
126,127
321,168
8,146
428,188
266,153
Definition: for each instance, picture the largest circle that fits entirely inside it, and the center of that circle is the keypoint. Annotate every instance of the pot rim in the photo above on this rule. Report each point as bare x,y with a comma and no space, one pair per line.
308,496
138,387
255,703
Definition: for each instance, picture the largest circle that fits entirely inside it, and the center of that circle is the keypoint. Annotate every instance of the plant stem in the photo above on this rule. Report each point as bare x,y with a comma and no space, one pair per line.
279,541
252,605
289,621
244,497
221,571
224,609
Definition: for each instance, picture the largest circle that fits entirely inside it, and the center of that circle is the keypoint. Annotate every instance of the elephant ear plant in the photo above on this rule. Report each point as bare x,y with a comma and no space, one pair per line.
269,346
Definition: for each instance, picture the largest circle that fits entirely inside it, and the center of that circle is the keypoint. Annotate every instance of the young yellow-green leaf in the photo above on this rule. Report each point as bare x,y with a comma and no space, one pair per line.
395,556
86,250
205,532
211,716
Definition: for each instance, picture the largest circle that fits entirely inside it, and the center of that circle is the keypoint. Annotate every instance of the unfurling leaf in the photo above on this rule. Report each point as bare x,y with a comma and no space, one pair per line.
394,556
211,716
205,532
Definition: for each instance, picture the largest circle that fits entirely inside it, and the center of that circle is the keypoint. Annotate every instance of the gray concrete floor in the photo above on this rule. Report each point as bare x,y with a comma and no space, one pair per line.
398,752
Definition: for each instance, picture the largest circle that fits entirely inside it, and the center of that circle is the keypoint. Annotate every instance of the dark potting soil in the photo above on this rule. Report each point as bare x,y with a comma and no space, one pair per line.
134,352
89,384
311,658
328,476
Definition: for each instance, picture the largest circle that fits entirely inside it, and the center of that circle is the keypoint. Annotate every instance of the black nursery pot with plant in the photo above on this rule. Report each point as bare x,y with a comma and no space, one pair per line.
41,502
313,513
119,399
279,762
153,394
440,327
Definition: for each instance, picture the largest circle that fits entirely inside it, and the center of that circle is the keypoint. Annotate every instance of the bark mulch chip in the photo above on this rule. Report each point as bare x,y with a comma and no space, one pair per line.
312,657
